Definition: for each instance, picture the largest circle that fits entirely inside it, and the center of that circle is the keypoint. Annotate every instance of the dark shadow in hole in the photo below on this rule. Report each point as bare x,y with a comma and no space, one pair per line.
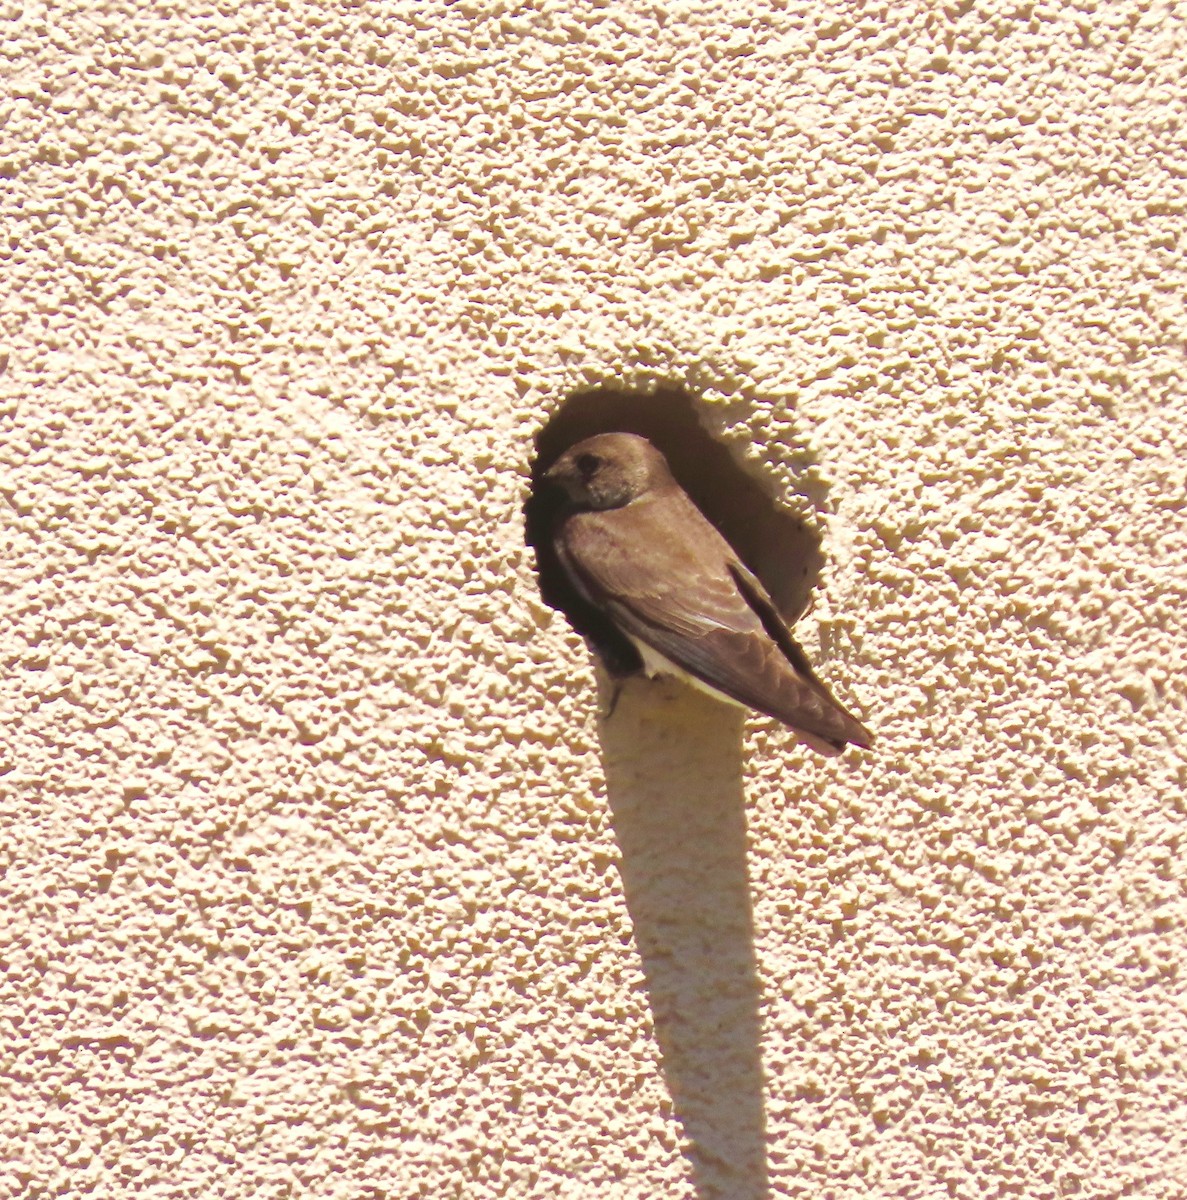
771,541
672,760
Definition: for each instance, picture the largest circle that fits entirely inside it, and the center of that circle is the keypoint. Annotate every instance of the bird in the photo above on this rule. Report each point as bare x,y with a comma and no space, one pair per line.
635,547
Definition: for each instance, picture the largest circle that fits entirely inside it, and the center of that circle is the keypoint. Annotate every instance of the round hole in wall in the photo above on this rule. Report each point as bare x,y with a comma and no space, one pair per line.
772,542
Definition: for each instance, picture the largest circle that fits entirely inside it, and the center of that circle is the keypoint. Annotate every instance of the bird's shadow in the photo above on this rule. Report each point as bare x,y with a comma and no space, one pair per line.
672,760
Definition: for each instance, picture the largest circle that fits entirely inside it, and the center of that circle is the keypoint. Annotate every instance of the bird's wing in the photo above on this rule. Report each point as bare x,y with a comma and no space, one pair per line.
664,575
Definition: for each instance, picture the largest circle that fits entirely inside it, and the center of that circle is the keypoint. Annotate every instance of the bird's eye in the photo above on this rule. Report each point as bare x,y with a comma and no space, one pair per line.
588,465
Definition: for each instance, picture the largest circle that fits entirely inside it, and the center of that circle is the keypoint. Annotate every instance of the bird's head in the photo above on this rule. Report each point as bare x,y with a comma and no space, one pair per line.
608,471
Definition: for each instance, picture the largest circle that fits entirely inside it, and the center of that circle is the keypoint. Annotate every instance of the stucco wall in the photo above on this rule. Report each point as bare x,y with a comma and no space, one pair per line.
321,874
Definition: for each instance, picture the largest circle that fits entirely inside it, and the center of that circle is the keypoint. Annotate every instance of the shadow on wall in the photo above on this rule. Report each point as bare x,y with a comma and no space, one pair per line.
672,760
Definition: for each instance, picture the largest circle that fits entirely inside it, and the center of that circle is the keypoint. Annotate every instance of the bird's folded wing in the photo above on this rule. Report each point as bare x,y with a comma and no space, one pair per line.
665,576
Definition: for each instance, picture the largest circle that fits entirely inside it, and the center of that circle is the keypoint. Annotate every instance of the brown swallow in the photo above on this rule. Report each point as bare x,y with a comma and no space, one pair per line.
636,547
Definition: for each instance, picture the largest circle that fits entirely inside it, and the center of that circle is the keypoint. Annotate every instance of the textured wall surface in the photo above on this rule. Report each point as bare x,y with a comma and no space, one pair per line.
321,874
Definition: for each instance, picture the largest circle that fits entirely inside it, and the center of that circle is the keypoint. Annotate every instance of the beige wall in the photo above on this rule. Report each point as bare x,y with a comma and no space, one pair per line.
321,875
